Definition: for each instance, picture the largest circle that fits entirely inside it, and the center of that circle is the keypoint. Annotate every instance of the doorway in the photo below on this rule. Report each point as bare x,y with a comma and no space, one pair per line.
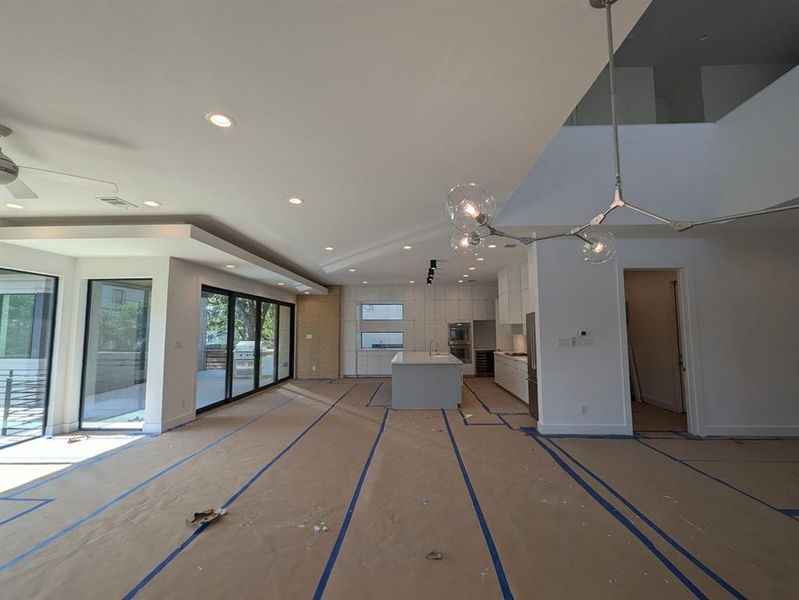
655,350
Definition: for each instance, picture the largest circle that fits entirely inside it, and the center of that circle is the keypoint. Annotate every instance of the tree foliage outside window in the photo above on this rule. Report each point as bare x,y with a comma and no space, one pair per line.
16,325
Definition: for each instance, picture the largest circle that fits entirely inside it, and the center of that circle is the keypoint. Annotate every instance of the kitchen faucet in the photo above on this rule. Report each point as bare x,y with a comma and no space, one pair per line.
430,346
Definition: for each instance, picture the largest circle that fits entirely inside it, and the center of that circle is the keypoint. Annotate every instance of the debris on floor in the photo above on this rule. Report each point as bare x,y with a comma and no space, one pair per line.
422,501
206,516
77,438
434,555
320,527
467,415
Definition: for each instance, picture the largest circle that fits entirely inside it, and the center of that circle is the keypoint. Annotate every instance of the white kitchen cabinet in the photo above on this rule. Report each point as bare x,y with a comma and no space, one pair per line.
524,278
510,296
511,375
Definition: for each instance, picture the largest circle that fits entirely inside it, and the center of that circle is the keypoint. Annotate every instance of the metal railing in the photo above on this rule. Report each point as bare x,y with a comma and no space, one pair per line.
23,393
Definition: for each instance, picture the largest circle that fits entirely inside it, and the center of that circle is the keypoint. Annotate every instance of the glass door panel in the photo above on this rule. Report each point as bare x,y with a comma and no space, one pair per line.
244,338
285,329
212,353
268,331
115,354
27,312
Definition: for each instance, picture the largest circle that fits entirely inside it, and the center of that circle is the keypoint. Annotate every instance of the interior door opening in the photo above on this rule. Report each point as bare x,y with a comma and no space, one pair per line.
655,350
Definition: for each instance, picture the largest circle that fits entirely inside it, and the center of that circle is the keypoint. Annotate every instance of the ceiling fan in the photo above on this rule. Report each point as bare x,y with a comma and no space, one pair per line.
10,172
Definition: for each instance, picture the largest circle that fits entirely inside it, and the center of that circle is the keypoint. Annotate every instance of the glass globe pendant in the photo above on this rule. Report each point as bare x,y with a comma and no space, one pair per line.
600,247
469,206
467,243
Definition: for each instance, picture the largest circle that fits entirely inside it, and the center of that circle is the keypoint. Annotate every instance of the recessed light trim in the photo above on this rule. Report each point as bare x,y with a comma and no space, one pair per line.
280,283
492,245
220,120
295,201
480,258
460,280
152,203
364,282
472,268
411,281
329,248
407,247
306,293
14,205
351,270
230,266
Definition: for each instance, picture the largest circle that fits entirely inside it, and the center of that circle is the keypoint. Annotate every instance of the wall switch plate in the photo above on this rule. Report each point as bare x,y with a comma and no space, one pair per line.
566,342
308,336
583,409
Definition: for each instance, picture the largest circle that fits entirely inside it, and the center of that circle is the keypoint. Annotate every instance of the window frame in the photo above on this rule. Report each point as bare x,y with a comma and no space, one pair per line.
379,331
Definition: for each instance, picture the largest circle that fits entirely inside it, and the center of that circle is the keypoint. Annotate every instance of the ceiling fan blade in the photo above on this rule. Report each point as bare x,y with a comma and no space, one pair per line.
20,191
71,179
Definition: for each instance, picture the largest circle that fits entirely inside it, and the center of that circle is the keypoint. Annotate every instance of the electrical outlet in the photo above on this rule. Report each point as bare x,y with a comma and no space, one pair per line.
583,409
308,336
313,367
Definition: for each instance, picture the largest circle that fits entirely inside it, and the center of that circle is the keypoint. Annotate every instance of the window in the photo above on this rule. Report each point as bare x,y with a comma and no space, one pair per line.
247,345
115,354
27,317
381,312
378,340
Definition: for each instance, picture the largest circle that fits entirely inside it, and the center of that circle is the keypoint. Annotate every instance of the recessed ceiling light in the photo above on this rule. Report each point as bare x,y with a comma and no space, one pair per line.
411,281
351,270
364,282
480,258
307,292
14,206
329,248
465,275
280,283
407,247
220,120
295,201
230,266
152,203
460,280
472,268
492,245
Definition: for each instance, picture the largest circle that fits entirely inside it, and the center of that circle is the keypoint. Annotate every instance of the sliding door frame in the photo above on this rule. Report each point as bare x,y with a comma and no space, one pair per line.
231,328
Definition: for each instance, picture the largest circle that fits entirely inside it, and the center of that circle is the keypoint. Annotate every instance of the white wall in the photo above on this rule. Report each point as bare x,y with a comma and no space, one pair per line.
427,310
740,312
652,334
725,87
635,98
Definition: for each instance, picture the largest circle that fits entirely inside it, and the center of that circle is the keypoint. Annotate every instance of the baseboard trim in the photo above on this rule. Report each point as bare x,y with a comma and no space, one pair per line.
157,428
578,429
751,431
659,403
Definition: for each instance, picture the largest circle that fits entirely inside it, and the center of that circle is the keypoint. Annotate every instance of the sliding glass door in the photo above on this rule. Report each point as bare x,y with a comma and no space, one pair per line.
212,354
115,354
245,345
27,317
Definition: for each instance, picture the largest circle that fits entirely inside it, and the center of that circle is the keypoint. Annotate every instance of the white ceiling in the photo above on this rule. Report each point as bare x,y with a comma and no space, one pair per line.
370,112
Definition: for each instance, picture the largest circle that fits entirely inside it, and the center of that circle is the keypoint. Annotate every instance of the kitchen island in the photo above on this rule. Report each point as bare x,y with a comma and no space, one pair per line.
424,380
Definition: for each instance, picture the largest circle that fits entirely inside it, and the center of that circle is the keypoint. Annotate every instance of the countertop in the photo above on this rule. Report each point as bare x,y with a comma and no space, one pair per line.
521,359
424,358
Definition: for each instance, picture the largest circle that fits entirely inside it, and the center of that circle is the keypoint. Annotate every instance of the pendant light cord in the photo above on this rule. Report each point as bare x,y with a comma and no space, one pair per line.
613,117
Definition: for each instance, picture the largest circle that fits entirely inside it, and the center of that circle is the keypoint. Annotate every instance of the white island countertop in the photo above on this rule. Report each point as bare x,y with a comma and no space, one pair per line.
424,358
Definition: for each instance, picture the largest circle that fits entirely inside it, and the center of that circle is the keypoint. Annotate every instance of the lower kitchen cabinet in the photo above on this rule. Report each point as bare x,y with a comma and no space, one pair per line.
511,375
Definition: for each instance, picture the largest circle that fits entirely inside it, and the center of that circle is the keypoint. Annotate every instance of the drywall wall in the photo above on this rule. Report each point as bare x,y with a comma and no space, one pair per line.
635,103
739,313
652,334
725,87
427,310
319,335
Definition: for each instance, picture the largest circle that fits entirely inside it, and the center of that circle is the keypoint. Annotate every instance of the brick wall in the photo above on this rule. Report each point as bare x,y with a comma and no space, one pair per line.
320,318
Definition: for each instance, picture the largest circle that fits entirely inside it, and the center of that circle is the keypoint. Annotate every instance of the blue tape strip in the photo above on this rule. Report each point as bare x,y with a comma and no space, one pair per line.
199,531
486,407
704,568
331,560
616,514
372,397
492,549
39,503
713,478
74,525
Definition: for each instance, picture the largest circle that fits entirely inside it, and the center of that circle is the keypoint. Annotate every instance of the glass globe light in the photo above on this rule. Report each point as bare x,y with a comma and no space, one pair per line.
469,206
467,243
601,246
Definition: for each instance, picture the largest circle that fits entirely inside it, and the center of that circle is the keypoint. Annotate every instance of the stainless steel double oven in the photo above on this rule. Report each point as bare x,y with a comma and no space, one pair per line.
460,340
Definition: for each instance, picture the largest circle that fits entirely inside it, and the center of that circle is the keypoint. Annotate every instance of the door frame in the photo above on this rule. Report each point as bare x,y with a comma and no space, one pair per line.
687,327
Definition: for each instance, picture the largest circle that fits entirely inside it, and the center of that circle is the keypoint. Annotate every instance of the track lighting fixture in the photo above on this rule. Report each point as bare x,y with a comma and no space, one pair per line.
471,209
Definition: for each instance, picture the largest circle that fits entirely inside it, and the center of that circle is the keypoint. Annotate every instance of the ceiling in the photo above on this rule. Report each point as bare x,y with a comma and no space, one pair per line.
738,32
369,112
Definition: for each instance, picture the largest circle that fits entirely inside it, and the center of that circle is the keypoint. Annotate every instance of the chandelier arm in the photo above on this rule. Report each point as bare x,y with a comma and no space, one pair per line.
650,214
526,240
613,116
744,215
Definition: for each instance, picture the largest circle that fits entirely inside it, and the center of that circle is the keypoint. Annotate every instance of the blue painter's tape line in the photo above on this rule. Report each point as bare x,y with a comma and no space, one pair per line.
492,549
39,502
713,477
533,432
791,512
616,514
331,560
75,524
704,568
372,397
197,532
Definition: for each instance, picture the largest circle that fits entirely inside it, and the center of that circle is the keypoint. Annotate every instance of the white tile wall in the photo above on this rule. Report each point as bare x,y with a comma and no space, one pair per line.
427,310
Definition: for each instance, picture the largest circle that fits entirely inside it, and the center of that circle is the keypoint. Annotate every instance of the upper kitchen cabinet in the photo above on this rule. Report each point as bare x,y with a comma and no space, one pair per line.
509,302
